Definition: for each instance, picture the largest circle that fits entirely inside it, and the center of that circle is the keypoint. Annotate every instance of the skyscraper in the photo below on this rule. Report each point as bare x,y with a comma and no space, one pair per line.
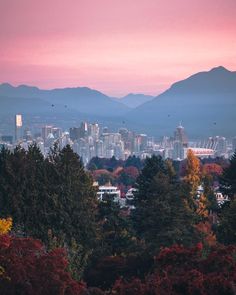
18,126
180,135
46,130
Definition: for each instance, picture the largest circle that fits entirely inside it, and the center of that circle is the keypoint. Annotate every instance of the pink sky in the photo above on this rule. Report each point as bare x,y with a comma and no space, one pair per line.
115,46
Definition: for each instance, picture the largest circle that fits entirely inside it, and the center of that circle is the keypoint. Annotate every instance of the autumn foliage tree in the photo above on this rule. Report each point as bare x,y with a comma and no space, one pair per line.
5,225
150,251
192,176
186,271
28,269
212,169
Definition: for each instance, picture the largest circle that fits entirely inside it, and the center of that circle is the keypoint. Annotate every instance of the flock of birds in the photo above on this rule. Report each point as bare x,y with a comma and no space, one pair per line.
65,106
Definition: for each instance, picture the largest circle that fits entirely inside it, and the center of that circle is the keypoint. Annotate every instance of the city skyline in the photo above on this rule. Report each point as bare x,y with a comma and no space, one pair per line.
90,140
115,47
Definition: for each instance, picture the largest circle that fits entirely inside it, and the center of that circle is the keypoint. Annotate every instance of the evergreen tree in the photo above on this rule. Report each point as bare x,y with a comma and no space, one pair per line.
13,181
117,236
226,231
77,199
50,199
228,179
134,161
162,216
211,203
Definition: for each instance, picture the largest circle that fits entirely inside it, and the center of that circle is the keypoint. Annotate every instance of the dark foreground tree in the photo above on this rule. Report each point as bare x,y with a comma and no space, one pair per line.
51,199
117,236
228,179
162,216
226,230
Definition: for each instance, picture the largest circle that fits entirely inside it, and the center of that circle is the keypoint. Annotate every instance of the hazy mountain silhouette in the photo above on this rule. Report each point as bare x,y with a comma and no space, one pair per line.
133,100
81,99
204,102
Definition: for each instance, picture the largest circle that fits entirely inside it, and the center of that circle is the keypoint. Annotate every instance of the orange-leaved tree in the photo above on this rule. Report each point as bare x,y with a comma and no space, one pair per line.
5,225
192,177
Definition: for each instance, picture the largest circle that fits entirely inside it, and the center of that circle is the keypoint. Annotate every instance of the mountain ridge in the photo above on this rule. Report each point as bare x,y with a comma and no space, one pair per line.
83,99
205,102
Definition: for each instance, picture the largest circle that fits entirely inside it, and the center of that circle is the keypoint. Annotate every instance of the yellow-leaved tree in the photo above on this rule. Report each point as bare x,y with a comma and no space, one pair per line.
193,180
202,206
192,177
5,225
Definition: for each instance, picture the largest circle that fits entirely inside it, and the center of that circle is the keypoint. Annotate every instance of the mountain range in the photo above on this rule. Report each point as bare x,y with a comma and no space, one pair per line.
205,103
28,99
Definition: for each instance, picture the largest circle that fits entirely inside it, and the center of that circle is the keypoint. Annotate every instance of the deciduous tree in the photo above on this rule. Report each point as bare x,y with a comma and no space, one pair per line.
29,269
192,177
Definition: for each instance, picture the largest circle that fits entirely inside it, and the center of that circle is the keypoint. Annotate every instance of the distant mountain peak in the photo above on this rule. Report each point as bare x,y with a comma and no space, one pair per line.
220,69
201,101
6,85
133,100
25,87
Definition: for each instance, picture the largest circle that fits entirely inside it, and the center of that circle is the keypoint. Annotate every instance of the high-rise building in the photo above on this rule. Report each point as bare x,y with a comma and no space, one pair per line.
99,148
180,135
74,133
83,129
46,130
143,141
94,131
57,132
27,134
124,134
18,127
137,145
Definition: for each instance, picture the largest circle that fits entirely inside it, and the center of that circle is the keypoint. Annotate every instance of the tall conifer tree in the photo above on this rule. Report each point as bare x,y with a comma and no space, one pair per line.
162,217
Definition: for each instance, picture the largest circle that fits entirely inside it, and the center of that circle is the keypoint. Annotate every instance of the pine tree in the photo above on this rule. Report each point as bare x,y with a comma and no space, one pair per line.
162,216
226,230
12,182
228,179
53,195
211,203
117,236
76,197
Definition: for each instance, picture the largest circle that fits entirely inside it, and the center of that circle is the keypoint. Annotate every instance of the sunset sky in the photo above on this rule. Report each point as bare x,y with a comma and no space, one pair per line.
115,46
